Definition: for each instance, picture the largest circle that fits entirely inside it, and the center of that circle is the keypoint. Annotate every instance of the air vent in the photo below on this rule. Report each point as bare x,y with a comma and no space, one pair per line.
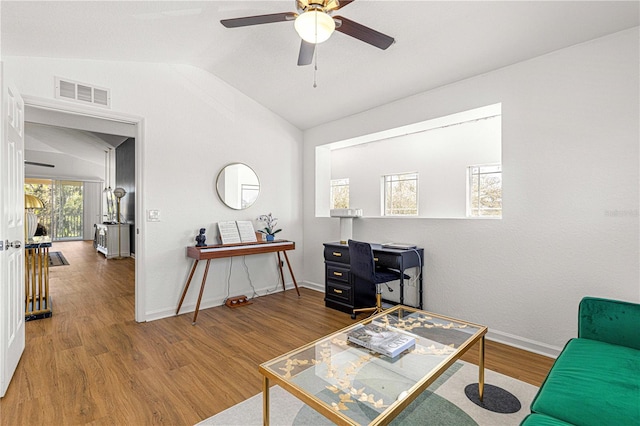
82,93
67,90
101,96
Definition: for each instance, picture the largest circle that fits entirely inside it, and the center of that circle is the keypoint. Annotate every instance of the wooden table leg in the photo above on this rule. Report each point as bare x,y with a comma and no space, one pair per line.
280,267
291,272
265,401
186,287
204,280
481,370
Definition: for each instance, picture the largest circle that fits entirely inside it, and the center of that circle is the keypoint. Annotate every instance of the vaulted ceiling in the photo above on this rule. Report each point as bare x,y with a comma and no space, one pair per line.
437,43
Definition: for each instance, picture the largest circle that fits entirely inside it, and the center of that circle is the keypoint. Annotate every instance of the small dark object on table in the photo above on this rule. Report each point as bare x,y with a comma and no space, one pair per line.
201,238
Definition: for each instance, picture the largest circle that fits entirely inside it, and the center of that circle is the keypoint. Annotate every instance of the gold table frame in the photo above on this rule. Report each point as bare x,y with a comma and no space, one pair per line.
283,369
36,278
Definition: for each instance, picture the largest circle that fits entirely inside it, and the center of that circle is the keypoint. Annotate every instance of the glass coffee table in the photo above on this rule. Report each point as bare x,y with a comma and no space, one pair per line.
350,384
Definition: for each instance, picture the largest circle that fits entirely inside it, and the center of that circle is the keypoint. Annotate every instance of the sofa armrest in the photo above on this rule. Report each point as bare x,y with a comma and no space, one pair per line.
610,321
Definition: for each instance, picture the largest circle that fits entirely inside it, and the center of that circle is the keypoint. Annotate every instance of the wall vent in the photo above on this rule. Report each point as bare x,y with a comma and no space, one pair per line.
82,93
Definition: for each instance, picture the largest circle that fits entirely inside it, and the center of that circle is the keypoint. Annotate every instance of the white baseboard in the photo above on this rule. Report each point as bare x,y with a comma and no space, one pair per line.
494,335
218,301
524,343
313,286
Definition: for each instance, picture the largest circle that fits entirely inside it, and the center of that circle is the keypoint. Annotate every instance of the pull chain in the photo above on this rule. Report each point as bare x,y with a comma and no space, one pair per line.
315,53
315,66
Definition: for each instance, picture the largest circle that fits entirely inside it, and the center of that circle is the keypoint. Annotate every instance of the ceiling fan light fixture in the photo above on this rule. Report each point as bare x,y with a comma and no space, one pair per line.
314,26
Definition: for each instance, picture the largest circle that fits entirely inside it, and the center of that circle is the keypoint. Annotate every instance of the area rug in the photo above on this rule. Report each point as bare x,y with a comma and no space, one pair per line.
443,403
56,258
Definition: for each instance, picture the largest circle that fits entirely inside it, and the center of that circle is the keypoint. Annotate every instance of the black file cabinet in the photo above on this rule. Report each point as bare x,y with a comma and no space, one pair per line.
345,292
340,291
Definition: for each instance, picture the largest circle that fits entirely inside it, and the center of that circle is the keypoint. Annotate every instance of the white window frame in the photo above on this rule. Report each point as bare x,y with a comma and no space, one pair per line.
335,183
482,169
385,179
248,194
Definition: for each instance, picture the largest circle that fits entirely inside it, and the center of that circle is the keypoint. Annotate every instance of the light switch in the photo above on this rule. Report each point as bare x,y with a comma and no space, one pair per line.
153,215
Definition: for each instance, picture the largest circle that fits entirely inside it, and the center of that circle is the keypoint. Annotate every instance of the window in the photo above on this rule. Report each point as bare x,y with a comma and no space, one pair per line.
439,150
62,215
400,194
340,193
249,194
485,191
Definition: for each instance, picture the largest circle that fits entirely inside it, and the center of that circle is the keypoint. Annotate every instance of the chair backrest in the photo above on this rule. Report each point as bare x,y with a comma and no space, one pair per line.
361,259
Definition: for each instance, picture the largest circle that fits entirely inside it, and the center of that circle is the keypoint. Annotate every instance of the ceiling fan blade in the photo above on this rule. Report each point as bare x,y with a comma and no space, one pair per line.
363,33
343,3
306,53
32,163
258,19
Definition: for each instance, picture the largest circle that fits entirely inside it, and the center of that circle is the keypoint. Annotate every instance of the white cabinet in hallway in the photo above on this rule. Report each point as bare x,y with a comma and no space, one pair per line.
107,240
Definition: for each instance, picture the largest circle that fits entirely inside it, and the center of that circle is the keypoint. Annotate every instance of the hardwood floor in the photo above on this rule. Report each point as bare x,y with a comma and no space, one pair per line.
91,363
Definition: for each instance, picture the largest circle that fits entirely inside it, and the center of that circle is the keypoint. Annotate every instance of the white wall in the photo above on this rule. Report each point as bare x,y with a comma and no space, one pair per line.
194,124
570,133
440,156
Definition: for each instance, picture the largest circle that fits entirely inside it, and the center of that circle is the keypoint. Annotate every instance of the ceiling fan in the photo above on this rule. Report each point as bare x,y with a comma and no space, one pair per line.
315,23
33,163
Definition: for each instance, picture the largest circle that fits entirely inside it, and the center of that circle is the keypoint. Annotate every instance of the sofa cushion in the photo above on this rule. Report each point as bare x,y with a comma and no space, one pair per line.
535,419
592,383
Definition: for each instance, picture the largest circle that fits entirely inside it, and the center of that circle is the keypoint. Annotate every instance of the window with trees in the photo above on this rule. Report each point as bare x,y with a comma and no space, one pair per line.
485,191
340,193
400,194
62,215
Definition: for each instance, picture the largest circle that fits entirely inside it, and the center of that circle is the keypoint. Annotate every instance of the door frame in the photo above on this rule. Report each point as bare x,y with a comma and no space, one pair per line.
95,119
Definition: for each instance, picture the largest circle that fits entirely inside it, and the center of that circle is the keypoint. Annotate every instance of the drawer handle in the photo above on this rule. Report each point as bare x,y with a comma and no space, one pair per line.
335,290
337,254
375,259
337,274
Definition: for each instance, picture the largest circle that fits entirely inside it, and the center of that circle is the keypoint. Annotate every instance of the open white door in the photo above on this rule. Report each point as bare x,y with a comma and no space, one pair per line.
12,334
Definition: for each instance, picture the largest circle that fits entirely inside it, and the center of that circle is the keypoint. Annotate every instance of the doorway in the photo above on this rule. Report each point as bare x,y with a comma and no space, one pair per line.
89,119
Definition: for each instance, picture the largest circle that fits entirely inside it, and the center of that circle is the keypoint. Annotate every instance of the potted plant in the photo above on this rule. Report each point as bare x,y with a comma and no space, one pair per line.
270,222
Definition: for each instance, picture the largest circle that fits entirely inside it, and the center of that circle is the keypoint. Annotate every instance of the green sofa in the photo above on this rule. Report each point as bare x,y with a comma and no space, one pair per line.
596,378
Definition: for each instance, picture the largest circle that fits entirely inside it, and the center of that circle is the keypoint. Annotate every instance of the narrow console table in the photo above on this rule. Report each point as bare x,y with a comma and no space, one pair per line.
345,292
230,250
36,279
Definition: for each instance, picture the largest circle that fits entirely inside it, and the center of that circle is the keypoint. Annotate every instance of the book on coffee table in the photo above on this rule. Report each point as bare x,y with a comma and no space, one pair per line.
380,339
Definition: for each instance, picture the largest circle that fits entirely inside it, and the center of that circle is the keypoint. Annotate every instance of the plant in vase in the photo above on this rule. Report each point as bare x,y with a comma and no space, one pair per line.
270,229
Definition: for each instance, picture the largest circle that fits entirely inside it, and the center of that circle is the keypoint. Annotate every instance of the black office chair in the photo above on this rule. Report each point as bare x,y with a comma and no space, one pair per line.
364,267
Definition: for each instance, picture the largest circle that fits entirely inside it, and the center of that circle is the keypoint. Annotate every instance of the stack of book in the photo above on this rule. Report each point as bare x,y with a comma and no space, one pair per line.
382,340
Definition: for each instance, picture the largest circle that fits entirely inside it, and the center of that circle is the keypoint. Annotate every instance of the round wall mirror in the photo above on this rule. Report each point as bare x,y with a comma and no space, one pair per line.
238,186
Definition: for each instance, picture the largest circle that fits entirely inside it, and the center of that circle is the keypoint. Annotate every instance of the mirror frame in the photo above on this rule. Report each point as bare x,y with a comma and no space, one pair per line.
220,191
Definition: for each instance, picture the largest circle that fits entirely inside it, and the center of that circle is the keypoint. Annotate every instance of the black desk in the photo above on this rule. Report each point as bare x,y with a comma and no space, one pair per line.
345,292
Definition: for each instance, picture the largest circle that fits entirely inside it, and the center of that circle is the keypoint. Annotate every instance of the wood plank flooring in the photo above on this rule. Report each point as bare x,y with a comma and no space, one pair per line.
91,363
